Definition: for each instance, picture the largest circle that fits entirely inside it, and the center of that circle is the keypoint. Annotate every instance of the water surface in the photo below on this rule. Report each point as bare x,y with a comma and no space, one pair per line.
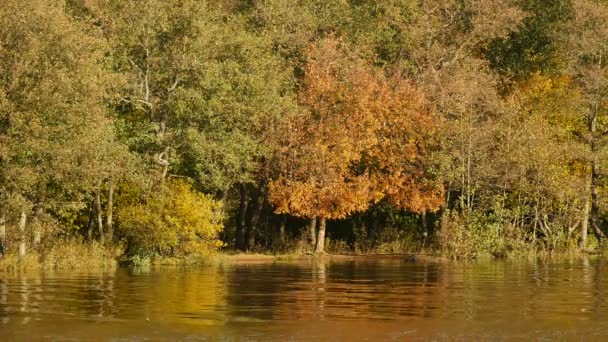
360,299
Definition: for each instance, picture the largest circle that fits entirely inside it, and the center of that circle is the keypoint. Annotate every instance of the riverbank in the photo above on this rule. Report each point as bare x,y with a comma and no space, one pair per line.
87,257
78,256
262,258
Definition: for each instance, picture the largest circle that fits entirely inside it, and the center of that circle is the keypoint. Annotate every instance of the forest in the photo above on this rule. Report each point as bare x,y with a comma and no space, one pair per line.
175,128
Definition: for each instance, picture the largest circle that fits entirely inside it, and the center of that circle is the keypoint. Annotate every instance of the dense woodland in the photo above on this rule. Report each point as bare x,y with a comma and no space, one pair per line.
183,127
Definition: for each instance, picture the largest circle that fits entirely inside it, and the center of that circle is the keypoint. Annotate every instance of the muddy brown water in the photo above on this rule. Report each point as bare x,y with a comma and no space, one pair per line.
339,300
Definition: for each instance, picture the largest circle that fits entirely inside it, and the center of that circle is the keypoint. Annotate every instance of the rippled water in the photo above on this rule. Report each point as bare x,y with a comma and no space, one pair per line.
360,299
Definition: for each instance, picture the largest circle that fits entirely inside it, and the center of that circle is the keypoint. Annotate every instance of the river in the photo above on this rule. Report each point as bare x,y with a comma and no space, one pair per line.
354,299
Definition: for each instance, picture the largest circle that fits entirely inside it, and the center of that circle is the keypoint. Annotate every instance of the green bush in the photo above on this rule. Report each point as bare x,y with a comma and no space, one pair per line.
472,235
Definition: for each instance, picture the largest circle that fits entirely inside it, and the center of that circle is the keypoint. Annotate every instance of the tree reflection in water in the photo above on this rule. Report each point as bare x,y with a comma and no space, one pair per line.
365,297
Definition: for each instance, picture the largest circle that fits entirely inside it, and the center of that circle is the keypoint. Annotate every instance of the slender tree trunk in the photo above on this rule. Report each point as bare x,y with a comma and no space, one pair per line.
2,234
91,220
469,157
355,221
595,203
163,176
37,230
425,230
282,225
312,231
242,221
110,211
321,236
372,234
99,214
252,228
22,222
595,175
585,221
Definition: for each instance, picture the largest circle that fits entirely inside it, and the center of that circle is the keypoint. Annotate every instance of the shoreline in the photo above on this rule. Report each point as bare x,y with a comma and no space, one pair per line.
34,262
256,258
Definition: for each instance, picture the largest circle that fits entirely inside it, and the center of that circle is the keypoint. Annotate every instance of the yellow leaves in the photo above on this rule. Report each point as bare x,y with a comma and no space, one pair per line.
179,220
557,101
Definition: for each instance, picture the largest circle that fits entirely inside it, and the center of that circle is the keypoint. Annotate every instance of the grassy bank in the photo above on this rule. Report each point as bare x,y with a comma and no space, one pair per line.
66,255
77,255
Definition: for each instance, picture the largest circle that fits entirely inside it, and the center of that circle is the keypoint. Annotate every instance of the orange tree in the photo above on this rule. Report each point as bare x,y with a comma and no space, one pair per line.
358,138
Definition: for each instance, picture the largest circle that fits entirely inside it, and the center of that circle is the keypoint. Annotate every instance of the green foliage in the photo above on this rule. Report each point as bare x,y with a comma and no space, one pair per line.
178,221
140,261
469,236
535,46
475,235
55,136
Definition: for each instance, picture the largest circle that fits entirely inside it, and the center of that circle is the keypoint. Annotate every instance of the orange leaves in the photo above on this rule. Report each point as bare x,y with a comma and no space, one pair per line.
398,160
333,200
360,137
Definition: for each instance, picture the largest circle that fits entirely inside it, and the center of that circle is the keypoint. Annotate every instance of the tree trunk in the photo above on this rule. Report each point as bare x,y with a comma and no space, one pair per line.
425,230
22,222
312,231
585,221
162,159
36,225
109,212
99,214
252,228
595,175
595,203
91,221
2,234
321,236
242,221
163,176
282,225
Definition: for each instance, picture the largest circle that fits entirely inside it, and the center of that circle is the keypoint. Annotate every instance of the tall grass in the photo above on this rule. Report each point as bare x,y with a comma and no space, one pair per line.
69,254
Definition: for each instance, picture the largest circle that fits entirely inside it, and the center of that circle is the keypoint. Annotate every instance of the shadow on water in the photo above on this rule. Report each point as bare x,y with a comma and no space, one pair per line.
356,299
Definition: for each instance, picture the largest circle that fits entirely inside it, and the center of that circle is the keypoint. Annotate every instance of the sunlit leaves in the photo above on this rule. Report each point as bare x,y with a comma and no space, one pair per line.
357,140
177,221
56,135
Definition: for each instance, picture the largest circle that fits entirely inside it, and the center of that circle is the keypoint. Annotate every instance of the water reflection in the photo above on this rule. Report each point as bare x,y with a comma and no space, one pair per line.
357,294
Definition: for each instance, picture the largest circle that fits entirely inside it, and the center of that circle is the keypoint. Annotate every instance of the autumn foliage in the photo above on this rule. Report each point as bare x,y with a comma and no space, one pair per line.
179,221
358,140
365,117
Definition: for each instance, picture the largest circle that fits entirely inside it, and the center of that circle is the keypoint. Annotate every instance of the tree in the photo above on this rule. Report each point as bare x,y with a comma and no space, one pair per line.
200,91
535,46
399,161
337,159
55,136
585,50
539,161
323,143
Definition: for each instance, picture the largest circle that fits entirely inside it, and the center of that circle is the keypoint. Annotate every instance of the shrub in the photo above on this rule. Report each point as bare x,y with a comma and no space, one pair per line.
470,235
73,254
179,221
